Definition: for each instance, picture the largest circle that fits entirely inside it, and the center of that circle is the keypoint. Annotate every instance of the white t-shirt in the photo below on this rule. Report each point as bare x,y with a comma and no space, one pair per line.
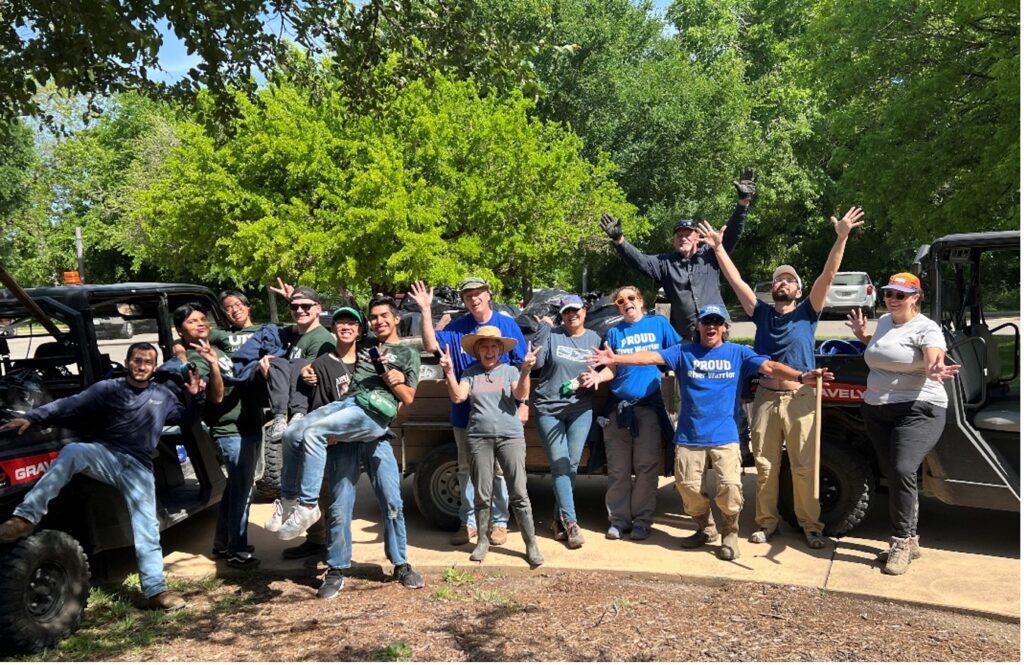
895,356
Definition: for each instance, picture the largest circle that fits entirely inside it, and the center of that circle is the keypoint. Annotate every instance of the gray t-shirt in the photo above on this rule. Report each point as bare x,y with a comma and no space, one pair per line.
562,359
895,356
492,405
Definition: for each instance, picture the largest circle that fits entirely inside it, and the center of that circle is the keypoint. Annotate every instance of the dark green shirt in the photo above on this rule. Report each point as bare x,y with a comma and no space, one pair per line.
234,415
313,343
402,357
232,339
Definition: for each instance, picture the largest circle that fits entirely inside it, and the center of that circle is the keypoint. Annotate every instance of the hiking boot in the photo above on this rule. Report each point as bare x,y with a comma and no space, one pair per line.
705,532
276,427
334,581
282,511
306,549
613,533
165,600
640,532
302,518
730,549
815,539
558,529
763,534
465,534
899,556
409,578
915,550
498,535
573,535
242,560
15,528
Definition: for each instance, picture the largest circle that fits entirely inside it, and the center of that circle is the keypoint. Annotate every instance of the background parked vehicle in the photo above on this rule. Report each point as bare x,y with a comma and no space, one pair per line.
850,290
763,292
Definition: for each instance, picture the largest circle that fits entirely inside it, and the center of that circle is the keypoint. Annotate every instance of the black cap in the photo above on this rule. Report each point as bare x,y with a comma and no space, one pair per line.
305,292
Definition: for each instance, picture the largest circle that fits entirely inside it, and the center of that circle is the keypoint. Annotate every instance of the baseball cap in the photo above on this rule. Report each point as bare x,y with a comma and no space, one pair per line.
571,301
785,269
342,311
305,292
684,224
905,282
713,310
473,283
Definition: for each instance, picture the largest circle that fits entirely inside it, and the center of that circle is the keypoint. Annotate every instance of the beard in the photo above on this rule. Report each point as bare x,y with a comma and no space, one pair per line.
782,296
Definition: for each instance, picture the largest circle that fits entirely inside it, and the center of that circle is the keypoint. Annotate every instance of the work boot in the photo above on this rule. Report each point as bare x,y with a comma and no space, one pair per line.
483,544
525,518
15,528
899,556
498,535
706,531
730,549
558,529
465,534
165,600
915,550
574,538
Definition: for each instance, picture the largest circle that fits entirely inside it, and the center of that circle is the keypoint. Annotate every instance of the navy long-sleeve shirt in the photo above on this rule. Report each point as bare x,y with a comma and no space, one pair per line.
689,283
131,418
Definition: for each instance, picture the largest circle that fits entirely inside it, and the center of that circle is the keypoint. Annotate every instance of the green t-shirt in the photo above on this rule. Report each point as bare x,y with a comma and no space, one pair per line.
235,414
231,340
315,342
394,356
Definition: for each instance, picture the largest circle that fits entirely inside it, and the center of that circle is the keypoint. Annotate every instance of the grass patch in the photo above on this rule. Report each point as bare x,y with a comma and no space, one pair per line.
455,577
498,599
393,652
444,593
234,601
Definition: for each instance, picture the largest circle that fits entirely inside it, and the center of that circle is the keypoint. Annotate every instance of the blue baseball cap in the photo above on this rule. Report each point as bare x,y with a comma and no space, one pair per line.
713,310
684,224
571,301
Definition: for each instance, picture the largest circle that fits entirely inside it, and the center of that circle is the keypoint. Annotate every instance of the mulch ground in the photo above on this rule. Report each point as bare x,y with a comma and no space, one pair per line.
576,616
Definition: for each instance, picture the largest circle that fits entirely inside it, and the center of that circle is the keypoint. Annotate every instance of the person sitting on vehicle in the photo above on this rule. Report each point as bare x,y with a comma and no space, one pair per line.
783,411
709,375
494,432
905,404
565,408
476,295
234,423
241,328
132,411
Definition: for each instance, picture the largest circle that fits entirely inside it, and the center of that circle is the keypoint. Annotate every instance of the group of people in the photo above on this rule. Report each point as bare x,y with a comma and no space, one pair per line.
333,397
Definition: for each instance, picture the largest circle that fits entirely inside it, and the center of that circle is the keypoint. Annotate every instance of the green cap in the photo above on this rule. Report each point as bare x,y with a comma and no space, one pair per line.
354,313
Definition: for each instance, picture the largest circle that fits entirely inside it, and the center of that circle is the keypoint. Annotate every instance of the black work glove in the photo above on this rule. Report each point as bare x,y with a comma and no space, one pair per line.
611,226
745,186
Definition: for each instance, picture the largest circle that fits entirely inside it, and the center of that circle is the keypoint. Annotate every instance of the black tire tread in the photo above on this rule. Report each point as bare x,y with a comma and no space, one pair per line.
437,457
848,464
268,487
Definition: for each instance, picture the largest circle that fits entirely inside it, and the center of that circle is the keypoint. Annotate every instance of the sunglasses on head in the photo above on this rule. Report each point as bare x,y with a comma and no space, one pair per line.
296,306
898,295
621,300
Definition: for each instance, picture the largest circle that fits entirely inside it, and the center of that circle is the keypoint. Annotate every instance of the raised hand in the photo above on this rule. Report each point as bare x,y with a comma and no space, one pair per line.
611,226
850,221
446,360
590,379
857,323
603,356
531,357
545,319
712,238
941,372
746,186
195,384
205,351
282,289
422,296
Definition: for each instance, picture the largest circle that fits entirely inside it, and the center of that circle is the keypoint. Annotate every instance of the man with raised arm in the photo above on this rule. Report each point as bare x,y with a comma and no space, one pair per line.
783,411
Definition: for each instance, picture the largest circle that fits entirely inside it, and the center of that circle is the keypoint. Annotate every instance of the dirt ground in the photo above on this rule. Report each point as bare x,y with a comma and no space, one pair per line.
576,616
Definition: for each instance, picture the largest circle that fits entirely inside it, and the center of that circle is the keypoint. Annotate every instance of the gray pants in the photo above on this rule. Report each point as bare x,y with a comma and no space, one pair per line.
632,502
510,454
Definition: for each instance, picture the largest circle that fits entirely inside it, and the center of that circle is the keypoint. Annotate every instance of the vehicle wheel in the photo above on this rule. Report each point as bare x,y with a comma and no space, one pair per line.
846,489
436,487
44,586
268,487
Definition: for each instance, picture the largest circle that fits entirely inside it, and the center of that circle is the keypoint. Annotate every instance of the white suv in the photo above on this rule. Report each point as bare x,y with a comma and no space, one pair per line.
848,291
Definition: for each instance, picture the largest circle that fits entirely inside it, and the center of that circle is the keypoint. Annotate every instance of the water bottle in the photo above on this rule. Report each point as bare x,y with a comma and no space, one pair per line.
182,454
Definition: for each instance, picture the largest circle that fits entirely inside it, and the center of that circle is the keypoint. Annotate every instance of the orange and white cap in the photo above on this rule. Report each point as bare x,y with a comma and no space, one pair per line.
905,282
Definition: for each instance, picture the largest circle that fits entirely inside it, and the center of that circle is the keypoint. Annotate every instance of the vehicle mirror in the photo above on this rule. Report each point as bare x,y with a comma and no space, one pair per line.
919,257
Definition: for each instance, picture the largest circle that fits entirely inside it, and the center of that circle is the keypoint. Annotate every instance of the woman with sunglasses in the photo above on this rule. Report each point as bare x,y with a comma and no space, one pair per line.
637,421
905,402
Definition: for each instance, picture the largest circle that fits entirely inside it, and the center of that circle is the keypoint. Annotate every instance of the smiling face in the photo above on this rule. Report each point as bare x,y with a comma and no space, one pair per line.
900,304
236,311
630,304
141,365
573,319
478,302
685,241
384,323
306,312
713,331
194,328
488,351
346,330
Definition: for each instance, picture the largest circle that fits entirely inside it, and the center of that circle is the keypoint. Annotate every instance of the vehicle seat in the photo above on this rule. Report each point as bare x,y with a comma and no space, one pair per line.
993,363
1001,415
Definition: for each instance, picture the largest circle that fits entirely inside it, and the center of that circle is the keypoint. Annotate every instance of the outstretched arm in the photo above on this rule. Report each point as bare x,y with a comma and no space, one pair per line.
843,227
645,264
777,370
608,358
713,239
423,298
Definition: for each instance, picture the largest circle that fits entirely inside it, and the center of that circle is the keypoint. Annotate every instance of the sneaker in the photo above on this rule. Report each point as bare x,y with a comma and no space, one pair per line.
296,416
301,518
613,533
242,560
15,528
282,511
409,578
573,536
219,553
498,535
465,534
334,581
165,600
763,535
558,529
306,549
899,556
815,539
276,427
640,532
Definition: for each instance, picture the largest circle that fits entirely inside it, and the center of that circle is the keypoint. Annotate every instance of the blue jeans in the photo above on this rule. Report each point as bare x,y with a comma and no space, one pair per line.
499,492
564,437
239,455
342,475
304,452
133,479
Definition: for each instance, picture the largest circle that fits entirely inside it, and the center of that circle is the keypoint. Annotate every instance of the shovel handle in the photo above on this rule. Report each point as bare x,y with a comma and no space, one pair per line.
817,436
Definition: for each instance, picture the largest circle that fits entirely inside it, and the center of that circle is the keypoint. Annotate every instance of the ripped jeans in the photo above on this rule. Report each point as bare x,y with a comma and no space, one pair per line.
343,462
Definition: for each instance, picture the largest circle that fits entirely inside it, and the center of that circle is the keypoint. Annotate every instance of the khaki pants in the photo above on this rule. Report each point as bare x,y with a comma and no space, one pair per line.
690,464
632,502
784,417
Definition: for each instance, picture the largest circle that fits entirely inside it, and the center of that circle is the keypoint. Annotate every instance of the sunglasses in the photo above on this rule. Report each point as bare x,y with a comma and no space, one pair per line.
306,306
898,295
624,299
713,321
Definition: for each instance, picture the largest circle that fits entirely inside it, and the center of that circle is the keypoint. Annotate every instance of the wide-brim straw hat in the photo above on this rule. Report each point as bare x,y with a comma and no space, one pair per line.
486,332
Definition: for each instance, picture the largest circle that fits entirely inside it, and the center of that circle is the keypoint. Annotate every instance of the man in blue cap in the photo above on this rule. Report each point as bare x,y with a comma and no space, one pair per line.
689,274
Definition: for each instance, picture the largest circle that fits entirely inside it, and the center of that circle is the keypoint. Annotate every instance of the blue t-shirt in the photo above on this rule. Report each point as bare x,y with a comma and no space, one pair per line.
709,387
786,338
651,333
466,325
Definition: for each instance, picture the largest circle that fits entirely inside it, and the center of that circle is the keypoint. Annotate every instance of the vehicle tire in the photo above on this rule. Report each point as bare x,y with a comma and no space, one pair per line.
846,488
436,487
44,587
268,487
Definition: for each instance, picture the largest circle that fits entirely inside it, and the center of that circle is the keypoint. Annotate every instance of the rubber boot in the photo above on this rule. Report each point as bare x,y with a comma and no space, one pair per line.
525,518
706,531
730,549
483,543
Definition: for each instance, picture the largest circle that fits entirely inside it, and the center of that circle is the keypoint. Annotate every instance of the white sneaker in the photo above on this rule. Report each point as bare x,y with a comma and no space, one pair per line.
301,518
282,509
